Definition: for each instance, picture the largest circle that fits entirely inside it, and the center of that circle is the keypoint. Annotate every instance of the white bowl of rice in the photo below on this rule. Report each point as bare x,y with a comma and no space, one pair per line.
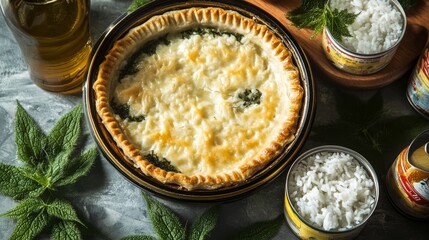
376,32
331,191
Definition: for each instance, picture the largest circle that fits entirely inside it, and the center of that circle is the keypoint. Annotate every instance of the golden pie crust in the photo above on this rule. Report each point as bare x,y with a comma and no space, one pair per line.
183,19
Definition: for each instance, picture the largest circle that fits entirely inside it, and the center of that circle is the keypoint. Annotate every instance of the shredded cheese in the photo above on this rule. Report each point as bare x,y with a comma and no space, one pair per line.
187,92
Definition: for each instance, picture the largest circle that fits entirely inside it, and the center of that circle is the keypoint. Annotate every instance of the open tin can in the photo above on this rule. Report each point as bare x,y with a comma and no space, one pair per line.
305,229
357,63
408,179
418,85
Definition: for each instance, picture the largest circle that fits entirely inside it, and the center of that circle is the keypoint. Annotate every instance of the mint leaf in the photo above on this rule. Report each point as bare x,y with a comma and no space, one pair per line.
202,227
138,237
78,167
66,230
136,4
15,184
24,208
29,138
29,227
63,210
261,230
65,133
167,225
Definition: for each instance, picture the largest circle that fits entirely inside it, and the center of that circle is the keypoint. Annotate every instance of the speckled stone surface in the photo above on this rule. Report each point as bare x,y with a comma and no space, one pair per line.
115,206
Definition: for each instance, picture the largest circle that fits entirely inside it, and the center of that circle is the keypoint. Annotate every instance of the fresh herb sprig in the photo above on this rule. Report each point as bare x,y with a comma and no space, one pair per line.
316,14
168,226
49,163
248,97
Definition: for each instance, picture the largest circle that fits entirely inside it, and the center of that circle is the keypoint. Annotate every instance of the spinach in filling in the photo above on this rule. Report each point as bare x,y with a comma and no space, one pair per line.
161,163
123,110
150,47
210,31
248,97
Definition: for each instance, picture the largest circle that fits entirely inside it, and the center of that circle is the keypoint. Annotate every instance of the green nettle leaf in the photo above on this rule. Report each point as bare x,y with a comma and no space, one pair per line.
78,167
261,231
310,4
29,138
37,176
65,133
337,22
136,4
311,18
63,210
15,184
49,162
167,225
29,227
138,237
317,15
202,227
57,167
66,230
25,208
62,140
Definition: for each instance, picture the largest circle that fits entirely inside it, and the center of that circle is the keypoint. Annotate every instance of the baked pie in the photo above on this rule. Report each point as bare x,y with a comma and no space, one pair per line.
201,98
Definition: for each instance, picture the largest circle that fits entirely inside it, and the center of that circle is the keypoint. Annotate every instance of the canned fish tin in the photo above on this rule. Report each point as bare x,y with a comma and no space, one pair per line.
356,63
330,193
418,85
408,179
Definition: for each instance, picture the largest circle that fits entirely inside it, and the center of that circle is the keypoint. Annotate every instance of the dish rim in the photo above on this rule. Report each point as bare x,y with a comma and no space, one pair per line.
112,153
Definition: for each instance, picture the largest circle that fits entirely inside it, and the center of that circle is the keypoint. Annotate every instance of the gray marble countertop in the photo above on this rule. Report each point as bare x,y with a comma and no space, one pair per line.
115,206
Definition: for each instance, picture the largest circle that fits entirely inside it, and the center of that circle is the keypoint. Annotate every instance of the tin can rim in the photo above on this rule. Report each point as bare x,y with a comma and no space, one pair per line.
335,148
417,142
378,54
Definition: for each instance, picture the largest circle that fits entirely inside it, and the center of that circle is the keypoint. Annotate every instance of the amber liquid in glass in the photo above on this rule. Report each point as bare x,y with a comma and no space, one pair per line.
55,40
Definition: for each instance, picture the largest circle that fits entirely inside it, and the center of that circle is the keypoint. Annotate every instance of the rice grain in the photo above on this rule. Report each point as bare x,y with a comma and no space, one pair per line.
377,27
331,190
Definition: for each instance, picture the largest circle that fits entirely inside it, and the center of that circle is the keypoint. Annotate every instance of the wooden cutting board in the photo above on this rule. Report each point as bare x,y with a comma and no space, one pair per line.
409,50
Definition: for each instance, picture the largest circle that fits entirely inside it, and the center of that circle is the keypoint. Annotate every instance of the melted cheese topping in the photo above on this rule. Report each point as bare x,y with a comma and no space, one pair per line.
187,92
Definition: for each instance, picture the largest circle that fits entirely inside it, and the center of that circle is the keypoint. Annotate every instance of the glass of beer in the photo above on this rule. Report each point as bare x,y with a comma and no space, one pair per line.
54,39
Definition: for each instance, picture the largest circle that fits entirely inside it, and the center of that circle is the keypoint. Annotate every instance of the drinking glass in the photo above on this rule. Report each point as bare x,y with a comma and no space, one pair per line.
54,39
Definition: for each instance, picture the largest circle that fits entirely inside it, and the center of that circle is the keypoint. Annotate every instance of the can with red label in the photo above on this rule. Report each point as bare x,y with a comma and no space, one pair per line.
418,86
408,179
